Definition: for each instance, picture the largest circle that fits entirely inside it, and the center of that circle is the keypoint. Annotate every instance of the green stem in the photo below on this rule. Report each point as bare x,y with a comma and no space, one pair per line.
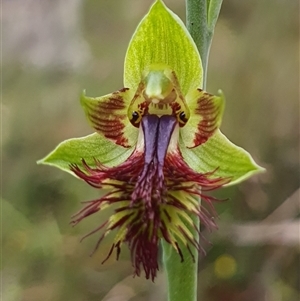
196,22
201,18
182,276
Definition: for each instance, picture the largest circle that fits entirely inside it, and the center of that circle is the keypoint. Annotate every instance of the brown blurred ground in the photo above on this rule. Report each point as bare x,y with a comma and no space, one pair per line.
54,49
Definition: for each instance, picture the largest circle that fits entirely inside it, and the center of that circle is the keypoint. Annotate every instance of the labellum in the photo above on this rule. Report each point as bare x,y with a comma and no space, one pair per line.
155,192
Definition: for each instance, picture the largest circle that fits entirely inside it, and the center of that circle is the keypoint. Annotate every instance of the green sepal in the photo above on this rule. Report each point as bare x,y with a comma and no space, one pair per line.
162,38
231,161
89,148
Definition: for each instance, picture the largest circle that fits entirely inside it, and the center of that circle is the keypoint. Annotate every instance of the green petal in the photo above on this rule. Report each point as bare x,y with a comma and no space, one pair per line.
108,116
206,112
161,38
232,161
89,148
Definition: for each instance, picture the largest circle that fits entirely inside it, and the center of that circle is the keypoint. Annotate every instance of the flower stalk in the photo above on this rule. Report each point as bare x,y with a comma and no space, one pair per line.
201,17
181,276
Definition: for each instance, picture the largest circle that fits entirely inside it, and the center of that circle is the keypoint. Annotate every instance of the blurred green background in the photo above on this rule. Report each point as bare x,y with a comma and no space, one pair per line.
53,49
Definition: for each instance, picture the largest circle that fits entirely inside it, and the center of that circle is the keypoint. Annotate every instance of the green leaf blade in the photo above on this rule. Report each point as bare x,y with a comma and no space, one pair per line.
213,8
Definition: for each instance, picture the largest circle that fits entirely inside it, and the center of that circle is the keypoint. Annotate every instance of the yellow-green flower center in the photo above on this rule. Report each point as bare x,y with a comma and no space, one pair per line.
158,94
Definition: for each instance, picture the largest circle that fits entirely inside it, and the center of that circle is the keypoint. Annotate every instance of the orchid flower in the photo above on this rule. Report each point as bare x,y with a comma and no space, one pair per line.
157,147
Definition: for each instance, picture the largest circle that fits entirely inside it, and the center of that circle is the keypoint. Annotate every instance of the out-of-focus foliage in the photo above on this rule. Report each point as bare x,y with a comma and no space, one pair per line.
254,59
